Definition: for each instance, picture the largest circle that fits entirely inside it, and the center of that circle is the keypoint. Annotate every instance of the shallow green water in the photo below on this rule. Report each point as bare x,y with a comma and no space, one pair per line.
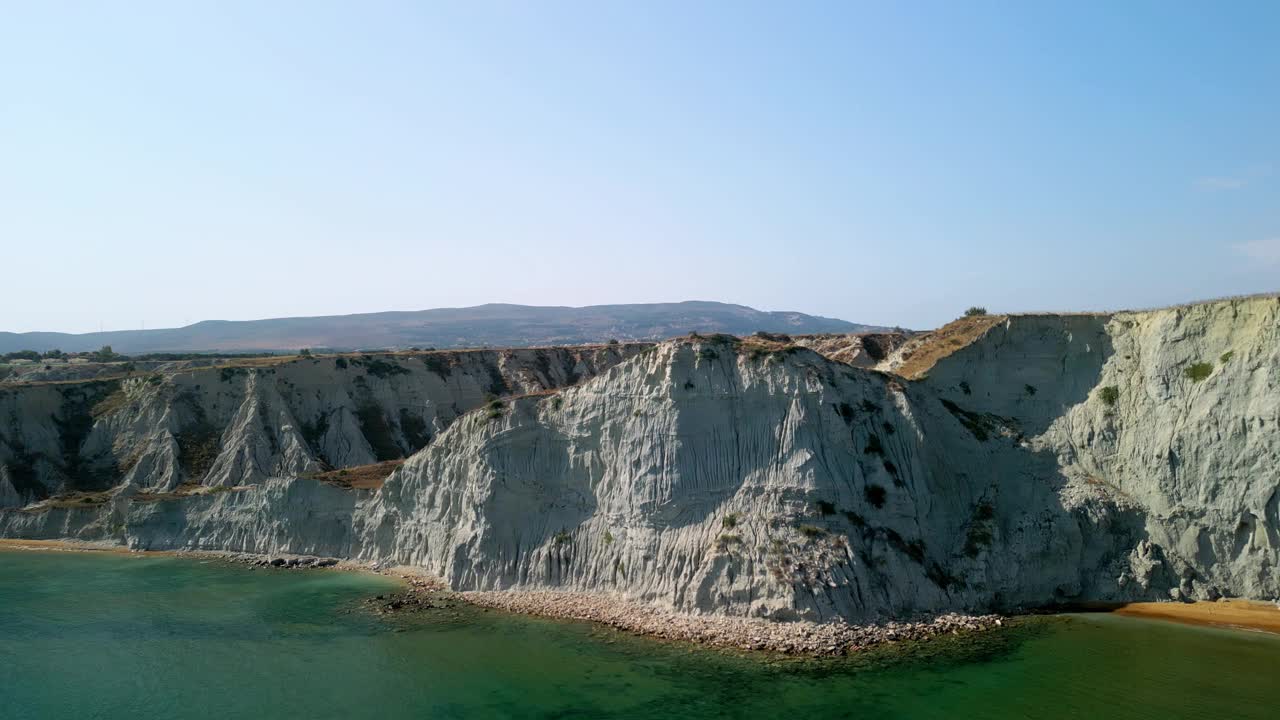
110,636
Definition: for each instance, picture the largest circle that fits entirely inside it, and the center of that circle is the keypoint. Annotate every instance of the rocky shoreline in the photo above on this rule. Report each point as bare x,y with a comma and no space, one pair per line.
754,634
424,593
282,562
792,638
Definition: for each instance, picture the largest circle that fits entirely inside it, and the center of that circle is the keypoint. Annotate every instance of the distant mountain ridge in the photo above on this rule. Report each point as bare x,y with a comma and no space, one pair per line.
497,325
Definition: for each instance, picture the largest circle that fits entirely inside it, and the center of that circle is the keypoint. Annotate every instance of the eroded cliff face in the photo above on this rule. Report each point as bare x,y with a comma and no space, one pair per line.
707,475
1166,420
239,425
1051,459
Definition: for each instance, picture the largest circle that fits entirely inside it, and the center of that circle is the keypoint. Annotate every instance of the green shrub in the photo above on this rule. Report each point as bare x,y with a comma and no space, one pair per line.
875,494
846,412
227,373
975,311
811,531
383,369
1226,356
608,538
438,364
1109,395
873,446
494,409
727,539
730,521
890,468
1197,372
561,538
915,550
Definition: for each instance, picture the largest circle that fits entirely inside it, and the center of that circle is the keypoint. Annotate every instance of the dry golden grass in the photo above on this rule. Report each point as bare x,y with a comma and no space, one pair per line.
256,362
185,490
944,341
1250,614
361,477
71,500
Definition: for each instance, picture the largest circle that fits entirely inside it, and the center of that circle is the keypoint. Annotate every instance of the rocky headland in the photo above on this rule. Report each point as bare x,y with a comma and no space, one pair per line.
998,465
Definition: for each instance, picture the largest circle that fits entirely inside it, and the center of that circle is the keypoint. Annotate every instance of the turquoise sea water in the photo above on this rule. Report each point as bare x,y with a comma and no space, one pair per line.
114,636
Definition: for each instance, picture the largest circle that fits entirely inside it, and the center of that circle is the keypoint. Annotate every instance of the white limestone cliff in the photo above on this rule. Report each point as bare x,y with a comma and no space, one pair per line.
1051,459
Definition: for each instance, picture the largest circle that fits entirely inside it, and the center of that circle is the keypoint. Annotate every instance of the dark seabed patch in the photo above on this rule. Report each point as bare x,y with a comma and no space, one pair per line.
118,636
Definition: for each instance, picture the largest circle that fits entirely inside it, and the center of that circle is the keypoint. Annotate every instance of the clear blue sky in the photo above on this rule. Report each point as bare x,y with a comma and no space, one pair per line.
894,163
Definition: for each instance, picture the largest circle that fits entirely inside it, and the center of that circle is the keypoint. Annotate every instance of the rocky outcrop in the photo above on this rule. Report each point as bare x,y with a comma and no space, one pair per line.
857,349
1040,460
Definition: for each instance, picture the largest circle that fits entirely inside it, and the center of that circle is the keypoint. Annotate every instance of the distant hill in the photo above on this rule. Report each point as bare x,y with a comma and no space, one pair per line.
493,325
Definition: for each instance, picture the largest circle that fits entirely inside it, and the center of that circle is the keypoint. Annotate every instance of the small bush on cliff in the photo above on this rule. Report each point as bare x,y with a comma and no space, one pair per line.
1226,356
975,311
561,538
1109,395
855,519
811,531
383,369
730,521
873,446
1198,371
915,550
875,494
846,412
438,364
227,373
726,540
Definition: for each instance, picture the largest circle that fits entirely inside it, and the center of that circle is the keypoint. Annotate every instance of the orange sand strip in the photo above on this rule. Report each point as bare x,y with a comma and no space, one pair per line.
1250,614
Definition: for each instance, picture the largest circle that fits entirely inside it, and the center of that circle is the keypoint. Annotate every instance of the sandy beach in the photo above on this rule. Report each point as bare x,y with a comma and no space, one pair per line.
1239,614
